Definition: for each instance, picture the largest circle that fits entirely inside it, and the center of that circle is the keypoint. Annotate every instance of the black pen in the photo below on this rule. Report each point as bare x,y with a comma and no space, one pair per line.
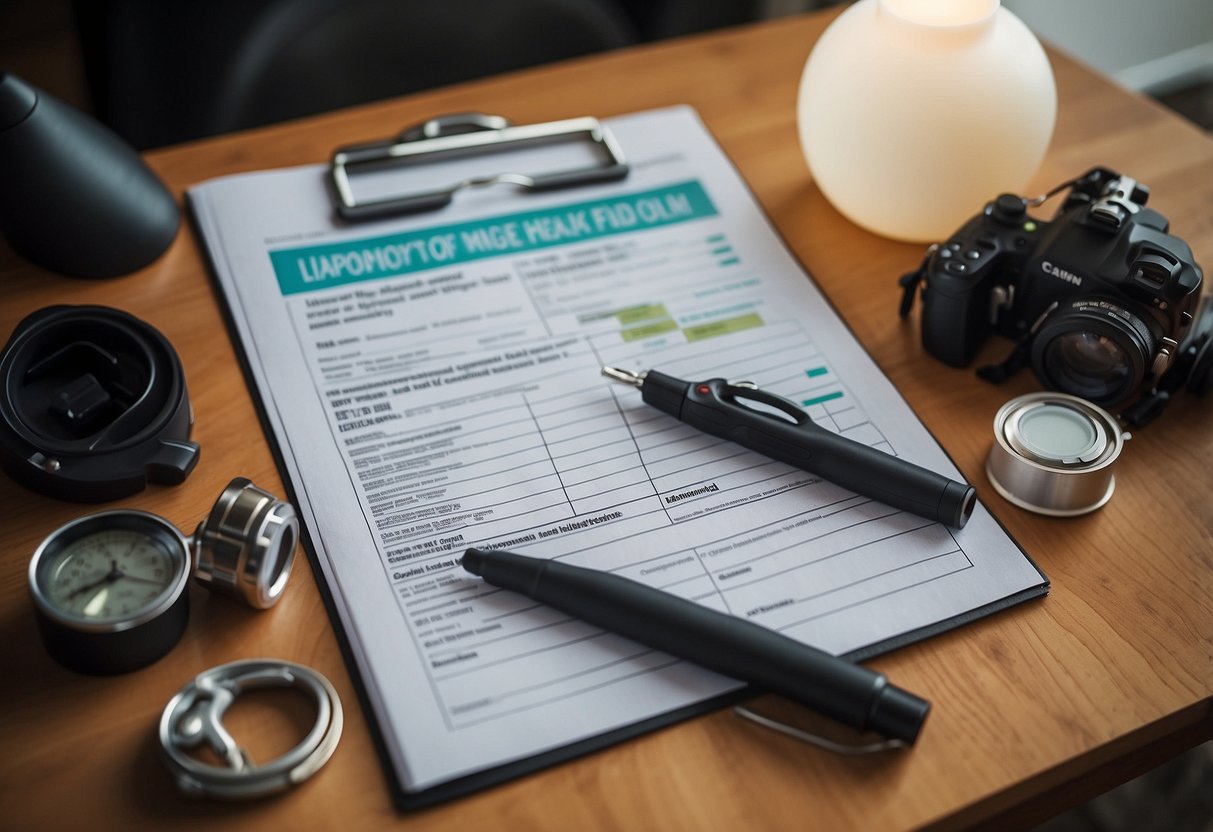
714,406
841,690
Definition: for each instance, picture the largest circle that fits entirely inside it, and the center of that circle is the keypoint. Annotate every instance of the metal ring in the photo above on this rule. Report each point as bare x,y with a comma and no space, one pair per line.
246,545
1063,478
194,716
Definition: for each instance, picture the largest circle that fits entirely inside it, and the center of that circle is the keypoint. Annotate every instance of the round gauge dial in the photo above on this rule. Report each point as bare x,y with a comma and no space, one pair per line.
109,576
110,590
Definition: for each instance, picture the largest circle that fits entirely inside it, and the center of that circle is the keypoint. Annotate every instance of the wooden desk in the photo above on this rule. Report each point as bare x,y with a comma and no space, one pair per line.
1035,709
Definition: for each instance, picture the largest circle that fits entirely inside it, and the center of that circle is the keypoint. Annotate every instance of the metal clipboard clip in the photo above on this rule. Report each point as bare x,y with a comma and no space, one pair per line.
462,135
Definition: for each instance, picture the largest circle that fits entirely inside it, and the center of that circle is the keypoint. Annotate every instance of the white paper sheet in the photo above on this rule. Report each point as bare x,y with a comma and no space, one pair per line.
433,383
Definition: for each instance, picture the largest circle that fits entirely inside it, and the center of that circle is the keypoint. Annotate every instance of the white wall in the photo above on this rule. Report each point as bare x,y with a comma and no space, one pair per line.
1154,45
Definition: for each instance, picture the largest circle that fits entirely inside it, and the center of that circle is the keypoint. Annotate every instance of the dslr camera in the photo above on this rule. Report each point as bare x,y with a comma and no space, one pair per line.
1100,299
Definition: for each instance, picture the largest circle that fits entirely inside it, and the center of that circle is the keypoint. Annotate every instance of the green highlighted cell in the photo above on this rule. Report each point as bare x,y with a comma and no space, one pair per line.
815,372
639,333
716,238
644,312
732,261
702,332
825,397
722,250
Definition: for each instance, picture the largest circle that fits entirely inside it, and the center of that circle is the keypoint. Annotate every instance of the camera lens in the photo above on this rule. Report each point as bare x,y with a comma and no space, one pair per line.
1087,364
1095,349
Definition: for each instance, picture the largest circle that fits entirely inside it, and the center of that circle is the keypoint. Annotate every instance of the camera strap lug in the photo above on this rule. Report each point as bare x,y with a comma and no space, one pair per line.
1166,354
910,282
1001,298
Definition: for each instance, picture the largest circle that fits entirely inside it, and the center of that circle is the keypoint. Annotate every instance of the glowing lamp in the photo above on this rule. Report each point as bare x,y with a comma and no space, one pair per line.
914,113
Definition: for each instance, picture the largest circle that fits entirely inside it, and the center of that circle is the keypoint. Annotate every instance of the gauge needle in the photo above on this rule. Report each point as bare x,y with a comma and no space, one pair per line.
111,576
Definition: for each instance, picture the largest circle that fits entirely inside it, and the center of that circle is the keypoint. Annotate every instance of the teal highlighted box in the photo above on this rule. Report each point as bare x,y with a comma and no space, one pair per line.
309,268
731,261
826,397
815,372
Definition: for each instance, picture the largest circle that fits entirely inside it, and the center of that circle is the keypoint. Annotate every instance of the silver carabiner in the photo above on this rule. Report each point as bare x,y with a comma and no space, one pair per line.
194,717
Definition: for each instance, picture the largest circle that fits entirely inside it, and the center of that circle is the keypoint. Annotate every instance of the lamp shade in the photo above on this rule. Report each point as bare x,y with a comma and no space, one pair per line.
914,113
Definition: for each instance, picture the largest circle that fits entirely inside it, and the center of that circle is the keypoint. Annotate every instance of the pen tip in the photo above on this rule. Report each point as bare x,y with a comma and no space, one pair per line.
473,561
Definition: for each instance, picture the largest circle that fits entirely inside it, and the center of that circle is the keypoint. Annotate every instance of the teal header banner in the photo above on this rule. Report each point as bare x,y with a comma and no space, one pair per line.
337,264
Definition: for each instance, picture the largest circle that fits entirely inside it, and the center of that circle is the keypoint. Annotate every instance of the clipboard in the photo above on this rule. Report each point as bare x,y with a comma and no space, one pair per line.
461,135
239,232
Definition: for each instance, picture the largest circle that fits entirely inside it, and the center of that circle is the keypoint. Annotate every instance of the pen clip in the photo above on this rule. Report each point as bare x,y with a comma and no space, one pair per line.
635,379
742,391
852,750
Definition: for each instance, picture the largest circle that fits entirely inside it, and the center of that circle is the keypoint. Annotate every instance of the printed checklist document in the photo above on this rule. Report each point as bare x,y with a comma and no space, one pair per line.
432,382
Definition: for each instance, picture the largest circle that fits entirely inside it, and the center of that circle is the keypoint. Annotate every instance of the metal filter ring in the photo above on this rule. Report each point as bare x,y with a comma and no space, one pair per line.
246,545
1053,454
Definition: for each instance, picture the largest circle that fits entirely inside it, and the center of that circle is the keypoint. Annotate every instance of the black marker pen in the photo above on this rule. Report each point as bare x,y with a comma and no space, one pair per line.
714,406
837,688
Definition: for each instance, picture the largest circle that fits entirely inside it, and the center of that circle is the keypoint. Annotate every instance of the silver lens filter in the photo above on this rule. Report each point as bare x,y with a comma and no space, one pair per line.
1053,454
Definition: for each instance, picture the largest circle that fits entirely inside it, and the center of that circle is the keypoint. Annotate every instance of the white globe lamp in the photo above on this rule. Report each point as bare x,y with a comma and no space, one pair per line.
915,113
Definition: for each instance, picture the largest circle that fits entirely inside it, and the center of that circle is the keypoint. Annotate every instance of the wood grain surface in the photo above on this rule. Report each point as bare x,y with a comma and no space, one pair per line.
1035,708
